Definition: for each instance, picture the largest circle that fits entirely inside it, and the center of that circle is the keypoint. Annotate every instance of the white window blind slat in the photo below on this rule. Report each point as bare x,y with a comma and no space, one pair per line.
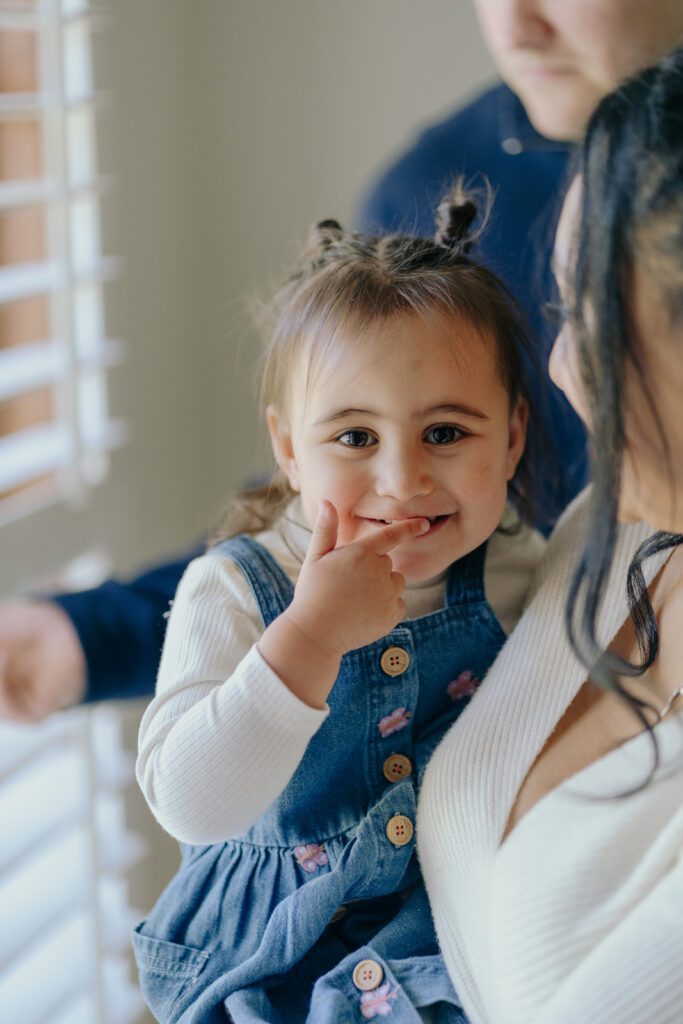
25,280
81,1009
21,744
33,192
33,365
20,104
20,17
27,192
58,966
17,17
37,451
33,452
44,796
124,1001
31,104
43,888
23,17
36,364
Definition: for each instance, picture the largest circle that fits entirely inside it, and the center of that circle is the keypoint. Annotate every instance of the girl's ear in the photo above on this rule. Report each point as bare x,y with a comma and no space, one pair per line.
283,449
517,435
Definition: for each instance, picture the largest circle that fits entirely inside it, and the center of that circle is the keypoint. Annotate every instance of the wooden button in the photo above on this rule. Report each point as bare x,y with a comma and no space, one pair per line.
397,766
394,661
399,830
367,975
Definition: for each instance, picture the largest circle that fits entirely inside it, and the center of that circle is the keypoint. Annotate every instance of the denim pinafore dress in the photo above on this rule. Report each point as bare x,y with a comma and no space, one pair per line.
318,913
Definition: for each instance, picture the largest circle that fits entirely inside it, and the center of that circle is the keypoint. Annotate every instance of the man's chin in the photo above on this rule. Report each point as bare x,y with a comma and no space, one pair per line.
551,117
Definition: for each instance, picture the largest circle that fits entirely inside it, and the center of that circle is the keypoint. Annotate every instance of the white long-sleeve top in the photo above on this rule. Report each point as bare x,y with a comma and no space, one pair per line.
578,915
223,734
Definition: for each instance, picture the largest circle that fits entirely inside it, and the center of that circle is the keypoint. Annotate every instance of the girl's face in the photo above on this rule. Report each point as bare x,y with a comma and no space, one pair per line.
651,486
416,422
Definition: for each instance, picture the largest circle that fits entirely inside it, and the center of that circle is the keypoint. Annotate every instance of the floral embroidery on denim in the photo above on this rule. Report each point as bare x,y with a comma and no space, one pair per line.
398,719
464,686
311,856
377,1002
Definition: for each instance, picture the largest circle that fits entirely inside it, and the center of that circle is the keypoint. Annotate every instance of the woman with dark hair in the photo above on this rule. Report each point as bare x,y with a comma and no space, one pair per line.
551,817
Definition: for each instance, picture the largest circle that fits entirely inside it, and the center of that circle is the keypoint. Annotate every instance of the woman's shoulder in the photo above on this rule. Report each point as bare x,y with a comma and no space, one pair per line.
568,540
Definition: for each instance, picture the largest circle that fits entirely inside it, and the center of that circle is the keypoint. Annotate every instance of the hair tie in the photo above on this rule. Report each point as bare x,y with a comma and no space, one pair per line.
322,235
454,218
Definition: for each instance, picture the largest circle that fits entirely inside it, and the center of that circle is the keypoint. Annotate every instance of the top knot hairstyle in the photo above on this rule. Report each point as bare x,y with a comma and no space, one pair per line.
454,218
321,236
346,281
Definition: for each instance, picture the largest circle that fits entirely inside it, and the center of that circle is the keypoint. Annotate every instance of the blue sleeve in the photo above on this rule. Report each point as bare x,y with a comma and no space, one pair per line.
121,627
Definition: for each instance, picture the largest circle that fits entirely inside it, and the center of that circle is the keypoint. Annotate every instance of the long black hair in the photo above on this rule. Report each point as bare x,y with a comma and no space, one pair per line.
631,167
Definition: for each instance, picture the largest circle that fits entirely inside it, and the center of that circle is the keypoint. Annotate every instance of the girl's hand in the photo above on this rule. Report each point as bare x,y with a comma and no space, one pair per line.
348,597
345,598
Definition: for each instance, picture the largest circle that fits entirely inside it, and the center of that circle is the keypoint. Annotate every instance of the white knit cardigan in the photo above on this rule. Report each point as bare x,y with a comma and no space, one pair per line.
578,915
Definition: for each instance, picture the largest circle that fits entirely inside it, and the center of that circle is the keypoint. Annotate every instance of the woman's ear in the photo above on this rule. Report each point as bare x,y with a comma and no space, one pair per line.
519,418
283,448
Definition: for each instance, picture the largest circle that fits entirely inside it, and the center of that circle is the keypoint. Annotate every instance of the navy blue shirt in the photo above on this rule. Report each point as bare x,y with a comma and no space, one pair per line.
121,625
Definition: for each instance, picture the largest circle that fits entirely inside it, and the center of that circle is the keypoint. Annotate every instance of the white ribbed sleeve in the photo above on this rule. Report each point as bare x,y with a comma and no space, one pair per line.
578,915
223,735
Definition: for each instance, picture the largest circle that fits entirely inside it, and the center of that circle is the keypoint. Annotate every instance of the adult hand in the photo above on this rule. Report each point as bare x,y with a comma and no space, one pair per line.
42,664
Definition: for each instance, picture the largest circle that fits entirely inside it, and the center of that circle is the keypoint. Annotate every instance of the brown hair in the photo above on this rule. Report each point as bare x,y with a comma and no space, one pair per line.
345,282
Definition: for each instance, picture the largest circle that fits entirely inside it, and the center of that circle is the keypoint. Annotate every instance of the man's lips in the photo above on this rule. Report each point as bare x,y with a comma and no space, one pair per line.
542,71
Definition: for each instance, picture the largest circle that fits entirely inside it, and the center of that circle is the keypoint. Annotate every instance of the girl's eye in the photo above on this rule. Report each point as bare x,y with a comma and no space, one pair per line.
357,439
443,433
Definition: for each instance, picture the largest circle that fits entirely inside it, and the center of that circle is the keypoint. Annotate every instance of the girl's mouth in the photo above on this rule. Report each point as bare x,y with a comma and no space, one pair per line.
434,522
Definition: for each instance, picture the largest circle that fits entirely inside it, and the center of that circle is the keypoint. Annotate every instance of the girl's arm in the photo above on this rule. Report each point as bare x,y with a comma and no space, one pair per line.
223,733
231,720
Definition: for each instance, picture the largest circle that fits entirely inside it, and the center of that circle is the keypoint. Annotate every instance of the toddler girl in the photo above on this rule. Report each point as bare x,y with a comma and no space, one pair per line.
313,663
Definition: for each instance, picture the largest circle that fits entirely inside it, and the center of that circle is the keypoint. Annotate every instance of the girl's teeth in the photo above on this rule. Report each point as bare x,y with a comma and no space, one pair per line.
431,519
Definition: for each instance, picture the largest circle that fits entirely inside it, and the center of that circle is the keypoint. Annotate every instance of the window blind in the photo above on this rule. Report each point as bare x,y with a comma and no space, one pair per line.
66,850
65,853
55,427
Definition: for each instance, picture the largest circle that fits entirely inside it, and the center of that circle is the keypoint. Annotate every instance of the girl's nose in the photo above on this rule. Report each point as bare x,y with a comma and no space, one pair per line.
403,476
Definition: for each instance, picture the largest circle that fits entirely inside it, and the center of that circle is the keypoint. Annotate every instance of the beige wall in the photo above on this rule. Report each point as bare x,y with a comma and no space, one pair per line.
229,127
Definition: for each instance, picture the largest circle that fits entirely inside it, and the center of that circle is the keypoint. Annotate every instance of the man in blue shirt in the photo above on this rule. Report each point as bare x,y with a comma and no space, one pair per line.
557,60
